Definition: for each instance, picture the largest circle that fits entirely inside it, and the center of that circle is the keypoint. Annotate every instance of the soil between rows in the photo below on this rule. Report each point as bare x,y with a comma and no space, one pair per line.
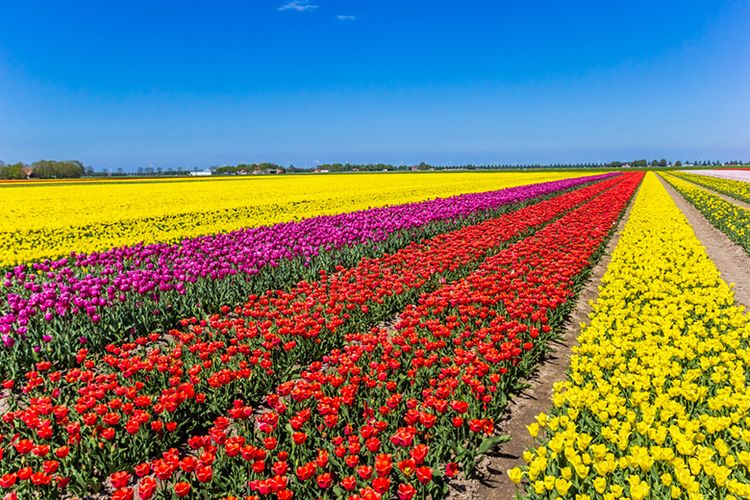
730,259
491,480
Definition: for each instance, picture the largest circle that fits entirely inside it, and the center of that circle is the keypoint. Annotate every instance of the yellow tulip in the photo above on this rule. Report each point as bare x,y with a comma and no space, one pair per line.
562,486
533,429
600,485
515,474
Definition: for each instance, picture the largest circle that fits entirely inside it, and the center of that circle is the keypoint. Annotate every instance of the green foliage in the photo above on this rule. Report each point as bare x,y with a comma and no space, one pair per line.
51,169
15,171
43,169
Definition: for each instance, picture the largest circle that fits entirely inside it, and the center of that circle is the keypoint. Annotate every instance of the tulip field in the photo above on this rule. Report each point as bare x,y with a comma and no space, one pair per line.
728,215
361,336
84,218
657,402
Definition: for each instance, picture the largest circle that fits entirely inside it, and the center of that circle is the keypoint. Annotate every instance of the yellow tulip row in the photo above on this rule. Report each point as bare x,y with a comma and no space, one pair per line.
49,220
734,188
656,401
731,219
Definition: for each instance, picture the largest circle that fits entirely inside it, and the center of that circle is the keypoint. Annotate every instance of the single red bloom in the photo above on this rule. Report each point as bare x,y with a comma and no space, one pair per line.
424,474
182,489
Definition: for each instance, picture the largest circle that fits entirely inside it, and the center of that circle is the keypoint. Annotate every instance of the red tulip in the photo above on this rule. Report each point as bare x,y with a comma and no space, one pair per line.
406,491
8,480
204,473
424,474
119,479
182,489
324,480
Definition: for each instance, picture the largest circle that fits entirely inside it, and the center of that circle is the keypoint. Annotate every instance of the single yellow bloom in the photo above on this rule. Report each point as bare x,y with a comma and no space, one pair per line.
562,486
515,474
666,479
533,429
600,485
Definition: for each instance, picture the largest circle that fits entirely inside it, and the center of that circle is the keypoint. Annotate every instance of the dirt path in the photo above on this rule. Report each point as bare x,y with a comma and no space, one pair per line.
731,260
734,201
491,482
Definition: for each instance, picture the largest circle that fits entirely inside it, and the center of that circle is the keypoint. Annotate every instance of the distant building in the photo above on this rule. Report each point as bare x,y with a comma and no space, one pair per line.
201,173
269,171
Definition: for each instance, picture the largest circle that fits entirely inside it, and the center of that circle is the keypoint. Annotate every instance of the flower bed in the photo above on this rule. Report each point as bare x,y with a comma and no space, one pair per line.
734,183
394,413
656,403
118,294
731,219
142,397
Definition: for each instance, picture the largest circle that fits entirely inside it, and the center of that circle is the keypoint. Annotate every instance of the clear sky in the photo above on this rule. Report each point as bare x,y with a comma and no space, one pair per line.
126,84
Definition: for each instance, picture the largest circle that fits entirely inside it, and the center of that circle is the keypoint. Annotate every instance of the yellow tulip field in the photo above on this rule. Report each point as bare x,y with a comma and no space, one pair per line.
657,401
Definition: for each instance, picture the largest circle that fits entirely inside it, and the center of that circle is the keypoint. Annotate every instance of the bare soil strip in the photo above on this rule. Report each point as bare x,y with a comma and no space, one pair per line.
491,480
723,196
731,259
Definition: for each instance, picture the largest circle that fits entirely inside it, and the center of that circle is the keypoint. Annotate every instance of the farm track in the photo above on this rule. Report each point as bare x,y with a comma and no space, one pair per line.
491,481
731,259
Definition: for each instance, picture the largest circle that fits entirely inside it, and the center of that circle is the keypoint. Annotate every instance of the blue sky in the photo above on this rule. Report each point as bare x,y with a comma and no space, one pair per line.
169,83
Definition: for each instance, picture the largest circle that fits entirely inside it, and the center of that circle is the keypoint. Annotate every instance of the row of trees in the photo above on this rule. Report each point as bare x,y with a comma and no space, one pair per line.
45,169
642,163
613,164
51,169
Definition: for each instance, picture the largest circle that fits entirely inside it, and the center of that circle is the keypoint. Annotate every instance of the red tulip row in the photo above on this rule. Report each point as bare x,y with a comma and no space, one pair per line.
143,397
396,413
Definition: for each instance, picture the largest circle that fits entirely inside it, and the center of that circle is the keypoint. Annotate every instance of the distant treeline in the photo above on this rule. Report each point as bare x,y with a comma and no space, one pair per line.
44,169
51,169
379,167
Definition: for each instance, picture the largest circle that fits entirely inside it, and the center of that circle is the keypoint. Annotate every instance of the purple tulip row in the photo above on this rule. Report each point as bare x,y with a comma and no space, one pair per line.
89,284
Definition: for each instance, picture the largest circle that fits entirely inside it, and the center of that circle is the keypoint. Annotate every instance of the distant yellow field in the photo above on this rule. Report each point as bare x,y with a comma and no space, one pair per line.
46,220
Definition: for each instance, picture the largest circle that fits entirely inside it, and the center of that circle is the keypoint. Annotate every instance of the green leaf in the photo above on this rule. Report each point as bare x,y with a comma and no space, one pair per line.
491,442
